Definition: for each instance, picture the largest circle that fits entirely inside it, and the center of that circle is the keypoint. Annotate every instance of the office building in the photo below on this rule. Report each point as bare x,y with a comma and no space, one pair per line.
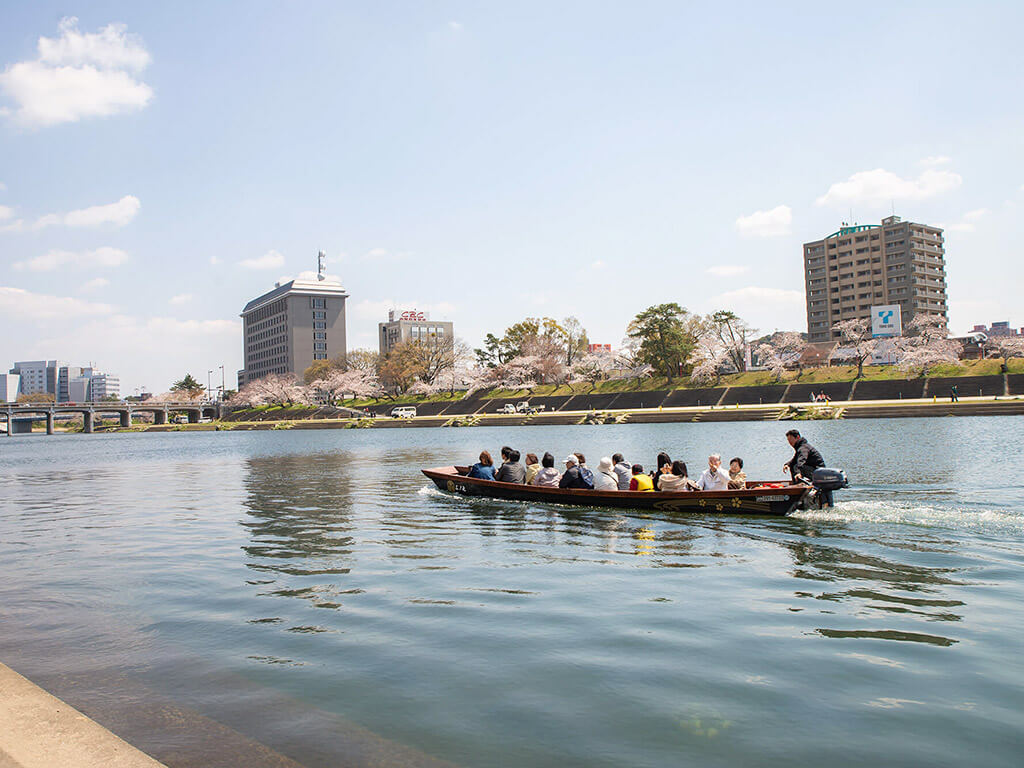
411,325
103,386
10,384
286,329
39,377
861,266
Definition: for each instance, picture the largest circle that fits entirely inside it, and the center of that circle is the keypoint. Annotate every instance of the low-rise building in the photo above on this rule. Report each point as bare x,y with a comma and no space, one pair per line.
411,325
1001,330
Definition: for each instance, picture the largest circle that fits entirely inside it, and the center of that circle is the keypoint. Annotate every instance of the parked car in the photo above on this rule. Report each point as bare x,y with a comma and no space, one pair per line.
181,418
403,412
508,408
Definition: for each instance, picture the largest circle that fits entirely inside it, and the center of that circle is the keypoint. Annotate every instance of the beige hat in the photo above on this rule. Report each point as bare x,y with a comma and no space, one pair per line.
605,465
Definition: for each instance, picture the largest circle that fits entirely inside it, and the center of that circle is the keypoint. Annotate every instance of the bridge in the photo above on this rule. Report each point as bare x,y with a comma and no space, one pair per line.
12,414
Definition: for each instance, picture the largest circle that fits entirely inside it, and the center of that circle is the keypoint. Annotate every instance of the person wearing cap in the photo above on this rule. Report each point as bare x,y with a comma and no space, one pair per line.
572,477
605,478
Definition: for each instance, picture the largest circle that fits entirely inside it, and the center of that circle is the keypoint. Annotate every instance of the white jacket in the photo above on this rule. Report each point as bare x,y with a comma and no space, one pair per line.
713,481
604,482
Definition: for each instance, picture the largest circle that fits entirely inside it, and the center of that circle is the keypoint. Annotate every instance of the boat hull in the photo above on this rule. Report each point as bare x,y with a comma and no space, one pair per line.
749,501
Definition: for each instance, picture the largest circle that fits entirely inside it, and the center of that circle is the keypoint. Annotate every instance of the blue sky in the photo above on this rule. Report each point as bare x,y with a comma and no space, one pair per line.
483,162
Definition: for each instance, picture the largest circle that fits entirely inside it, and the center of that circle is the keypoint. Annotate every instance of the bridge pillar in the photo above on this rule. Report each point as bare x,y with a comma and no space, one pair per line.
160,417
87,422
10,421
49,422
193,416
126,418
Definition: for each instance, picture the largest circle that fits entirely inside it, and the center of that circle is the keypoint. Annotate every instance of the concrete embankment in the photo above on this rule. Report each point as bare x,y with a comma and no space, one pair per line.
38,730
869,409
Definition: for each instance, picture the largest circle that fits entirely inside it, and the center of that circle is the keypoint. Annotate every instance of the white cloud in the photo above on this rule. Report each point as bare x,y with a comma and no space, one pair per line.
933,160
214,261
727,270
599,264
181,298
6,212
51,260
455,25
379,254
118,214
771,223
21,304
270,260
78,75
763,307
94,285
879,186
967,222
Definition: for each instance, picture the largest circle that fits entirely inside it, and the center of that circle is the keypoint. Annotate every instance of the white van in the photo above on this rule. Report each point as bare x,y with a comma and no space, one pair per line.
403,411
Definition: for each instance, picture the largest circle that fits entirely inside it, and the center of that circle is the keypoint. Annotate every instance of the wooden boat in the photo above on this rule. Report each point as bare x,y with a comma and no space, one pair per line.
755,499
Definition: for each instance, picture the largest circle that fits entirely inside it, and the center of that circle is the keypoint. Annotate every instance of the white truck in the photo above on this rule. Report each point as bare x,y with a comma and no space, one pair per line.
508,408
525,407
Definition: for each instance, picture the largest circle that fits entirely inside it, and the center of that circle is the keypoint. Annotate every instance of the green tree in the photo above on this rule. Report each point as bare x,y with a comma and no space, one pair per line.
188,386
667,334
321,369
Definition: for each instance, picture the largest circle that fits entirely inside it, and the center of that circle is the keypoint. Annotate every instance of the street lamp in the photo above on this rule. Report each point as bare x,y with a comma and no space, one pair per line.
221,382
209,385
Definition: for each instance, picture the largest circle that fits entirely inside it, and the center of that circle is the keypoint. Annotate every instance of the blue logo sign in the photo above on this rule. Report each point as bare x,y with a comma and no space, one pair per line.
886,316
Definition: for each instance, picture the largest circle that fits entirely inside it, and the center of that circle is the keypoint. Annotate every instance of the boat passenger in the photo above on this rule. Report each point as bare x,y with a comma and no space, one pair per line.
510,471
737,477
714,478
548,475
622,471
664,466
573,476
532,467
483,469
806,459
640,481
605,478
677,479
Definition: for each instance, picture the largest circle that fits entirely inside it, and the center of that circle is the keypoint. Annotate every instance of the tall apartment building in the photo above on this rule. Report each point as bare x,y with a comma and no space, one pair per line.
39,376
286,329
860,266
10,384
412,326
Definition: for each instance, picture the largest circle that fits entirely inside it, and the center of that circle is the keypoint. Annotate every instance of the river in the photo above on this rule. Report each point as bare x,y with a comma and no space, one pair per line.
303,597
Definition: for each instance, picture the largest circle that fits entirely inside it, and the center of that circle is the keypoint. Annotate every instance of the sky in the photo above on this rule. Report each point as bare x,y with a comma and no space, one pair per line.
162,164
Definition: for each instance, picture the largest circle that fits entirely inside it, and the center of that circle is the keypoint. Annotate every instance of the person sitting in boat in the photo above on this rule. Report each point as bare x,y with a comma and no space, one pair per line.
677,479
605,478
510,471
663,466
639,481
737,477
714,478
548,475
483,469
532,467
576,475
622,471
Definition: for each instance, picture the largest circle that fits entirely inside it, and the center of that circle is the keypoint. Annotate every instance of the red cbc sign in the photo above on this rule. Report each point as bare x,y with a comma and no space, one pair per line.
412,314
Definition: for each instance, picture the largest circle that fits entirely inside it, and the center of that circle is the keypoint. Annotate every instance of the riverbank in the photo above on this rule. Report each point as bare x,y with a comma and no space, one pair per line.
285,419
40,731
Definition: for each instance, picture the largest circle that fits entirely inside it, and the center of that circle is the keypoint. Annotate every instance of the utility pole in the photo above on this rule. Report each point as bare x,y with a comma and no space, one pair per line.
209,385
222,382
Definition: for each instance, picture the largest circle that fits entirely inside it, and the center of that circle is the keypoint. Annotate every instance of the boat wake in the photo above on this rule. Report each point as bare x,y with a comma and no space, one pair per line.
923,515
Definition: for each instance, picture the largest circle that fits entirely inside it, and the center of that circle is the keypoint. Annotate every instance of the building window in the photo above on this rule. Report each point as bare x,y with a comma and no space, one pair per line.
320,345
318,315
318,303
319,326
320,335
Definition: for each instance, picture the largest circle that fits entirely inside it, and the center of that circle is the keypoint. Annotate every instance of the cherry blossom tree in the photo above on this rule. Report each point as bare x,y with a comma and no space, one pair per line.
1006,347
355,383
926,344
708,359
856,341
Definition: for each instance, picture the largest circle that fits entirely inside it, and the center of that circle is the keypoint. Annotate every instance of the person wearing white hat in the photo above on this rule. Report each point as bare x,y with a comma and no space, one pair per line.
605,478
573,477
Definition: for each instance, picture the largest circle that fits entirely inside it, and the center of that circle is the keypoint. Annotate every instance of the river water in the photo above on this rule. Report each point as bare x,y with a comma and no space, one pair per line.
303,597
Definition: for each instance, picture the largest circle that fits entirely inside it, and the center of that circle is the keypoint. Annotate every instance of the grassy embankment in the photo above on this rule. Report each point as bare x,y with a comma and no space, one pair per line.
751,379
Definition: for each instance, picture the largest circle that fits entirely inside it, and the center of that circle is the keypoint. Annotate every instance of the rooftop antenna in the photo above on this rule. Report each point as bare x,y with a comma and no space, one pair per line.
320,257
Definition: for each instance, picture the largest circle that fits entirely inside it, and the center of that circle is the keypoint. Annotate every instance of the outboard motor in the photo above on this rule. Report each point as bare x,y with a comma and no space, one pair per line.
828,479
825,480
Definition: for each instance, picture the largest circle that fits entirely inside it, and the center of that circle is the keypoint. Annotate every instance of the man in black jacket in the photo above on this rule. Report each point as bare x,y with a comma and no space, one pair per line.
511,471
806,459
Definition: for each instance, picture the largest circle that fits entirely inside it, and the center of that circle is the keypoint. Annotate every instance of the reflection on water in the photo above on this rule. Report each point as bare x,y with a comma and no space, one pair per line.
311,596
